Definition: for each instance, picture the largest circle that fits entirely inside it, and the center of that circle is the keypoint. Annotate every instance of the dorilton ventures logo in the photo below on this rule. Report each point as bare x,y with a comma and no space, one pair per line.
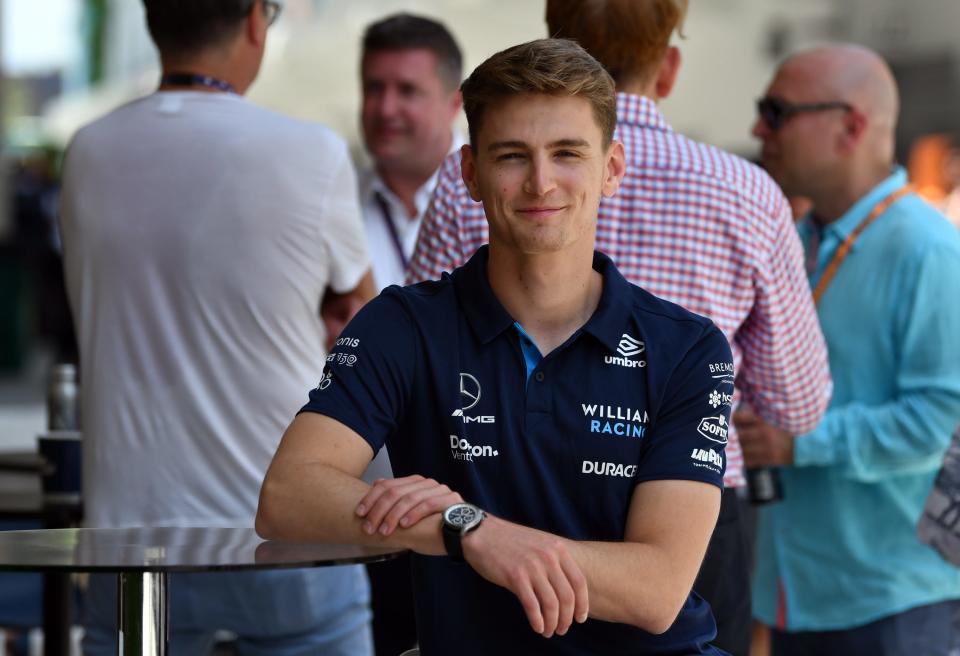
628,348
461,449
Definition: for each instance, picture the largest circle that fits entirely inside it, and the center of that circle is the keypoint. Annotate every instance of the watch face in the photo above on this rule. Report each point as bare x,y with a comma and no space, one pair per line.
461,515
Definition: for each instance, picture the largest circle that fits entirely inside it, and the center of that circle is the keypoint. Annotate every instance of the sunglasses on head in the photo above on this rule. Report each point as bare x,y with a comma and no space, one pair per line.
775,111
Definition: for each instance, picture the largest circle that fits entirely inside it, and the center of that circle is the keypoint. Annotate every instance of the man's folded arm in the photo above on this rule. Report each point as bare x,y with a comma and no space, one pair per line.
313,486
644,580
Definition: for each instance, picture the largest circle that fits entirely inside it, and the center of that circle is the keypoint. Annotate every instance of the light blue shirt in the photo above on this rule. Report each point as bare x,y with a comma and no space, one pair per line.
841,549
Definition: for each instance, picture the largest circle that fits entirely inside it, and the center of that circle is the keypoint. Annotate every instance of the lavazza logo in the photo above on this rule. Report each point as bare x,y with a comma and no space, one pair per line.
469,397
628,348
707,458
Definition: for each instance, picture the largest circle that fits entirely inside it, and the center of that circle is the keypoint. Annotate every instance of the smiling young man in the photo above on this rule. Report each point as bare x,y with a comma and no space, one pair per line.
569,407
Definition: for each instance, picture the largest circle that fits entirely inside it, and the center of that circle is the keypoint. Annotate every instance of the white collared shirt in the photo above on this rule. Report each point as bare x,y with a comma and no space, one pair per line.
385,260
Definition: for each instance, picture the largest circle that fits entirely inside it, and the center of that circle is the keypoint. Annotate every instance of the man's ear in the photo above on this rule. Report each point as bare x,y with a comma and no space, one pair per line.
468,170
255,28
855,124
667,72
615,169
456,102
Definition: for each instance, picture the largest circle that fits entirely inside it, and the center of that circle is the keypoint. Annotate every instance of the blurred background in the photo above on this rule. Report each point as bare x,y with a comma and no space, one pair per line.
67,62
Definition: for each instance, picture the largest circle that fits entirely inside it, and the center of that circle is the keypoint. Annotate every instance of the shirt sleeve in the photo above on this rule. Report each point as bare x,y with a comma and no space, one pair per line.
342,231
785,371
370,371
910,433
440,244
688,437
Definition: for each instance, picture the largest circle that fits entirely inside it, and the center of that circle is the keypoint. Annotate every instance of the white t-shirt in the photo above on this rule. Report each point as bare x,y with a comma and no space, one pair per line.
200,232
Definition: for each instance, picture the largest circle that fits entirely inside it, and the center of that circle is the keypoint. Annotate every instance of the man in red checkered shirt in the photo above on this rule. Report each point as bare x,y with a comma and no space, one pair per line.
694,225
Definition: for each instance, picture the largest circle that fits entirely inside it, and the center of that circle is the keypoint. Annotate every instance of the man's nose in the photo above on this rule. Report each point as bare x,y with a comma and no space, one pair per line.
760,129
540,177
388,102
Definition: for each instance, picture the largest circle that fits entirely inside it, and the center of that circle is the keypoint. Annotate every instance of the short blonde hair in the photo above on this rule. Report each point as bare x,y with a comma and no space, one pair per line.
557,67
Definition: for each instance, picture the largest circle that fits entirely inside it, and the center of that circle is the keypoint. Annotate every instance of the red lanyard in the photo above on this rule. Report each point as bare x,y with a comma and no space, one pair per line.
844,249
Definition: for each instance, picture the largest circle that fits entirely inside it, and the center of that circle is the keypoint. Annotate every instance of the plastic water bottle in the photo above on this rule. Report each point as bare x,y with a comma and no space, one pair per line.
63,398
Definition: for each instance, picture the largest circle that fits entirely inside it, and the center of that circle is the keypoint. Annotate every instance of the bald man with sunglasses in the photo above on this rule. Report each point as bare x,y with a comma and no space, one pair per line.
839,567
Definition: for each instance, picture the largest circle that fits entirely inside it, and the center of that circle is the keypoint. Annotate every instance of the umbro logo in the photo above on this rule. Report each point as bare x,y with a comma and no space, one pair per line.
629,347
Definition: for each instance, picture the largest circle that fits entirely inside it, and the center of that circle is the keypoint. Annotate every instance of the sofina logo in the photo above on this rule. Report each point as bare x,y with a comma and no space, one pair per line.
714,428
628,348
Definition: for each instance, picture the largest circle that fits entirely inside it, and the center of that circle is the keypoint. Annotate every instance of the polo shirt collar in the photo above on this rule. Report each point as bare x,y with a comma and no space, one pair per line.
483,310
847,223
488,318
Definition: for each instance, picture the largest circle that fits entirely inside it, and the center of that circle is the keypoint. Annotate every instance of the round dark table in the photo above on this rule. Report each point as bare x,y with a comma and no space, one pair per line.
144,556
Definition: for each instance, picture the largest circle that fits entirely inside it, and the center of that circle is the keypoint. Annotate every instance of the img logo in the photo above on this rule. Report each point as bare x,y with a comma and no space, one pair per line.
628,348
469,397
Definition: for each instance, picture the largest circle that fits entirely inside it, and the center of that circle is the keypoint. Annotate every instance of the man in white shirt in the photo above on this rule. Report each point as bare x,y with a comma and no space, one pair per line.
410,72
200,232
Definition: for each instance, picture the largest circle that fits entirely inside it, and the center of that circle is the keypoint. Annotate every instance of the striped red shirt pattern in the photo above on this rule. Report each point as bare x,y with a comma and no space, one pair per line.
702,228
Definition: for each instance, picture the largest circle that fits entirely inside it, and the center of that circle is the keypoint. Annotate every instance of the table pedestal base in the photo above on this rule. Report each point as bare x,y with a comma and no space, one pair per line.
143,619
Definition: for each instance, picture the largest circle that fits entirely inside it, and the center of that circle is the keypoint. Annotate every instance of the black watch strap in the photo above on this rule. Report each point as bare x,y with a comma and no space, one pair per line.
451,541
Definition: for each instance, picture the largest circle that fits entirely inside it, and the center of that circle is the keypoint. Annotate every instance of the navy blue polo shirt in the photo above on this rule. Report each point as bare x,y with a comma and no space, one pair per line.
442,374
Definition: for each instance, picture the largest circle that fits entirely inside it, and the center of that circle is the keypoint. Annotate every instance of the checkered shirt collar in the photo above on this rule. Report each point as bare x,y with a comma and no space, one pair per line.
640,111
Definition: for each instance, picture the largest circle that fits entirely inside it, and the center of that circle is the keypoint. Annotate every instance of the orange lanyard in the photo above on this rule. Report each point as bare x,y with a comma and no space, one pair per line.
844,248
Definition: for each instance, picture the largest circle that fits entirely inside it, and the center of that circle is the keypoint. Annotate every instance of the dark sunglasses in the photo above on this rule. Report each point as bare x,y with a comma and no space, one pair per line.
775,111
271,10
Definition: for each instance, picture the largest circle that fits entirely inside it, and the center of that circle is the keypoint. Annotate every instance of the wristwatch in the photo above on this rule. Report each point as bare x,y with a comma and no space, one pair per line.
458,520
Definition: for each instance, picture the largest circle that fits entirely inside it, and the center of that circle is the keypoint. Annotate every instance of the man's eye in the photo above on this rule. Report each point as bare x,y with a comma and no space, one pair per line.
567,153
503,157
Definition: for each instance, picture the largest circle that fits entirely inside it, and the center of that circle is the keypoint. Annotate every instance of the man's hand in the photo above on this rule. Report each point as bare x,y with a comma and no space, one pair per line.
403,502
336,310
535,566
763,445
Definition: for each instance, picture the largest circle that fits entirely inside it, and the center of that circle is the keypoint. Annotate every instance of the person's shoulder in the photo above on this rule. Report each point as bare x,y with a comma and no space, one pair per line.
420,298
106,126
292,131
667,316
740,177
917,228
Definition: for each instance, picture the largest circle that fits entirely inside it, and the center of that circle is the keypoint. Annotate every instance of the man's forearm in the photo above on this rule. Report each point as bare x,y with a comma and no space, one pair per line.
632,583
317,502
627,582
